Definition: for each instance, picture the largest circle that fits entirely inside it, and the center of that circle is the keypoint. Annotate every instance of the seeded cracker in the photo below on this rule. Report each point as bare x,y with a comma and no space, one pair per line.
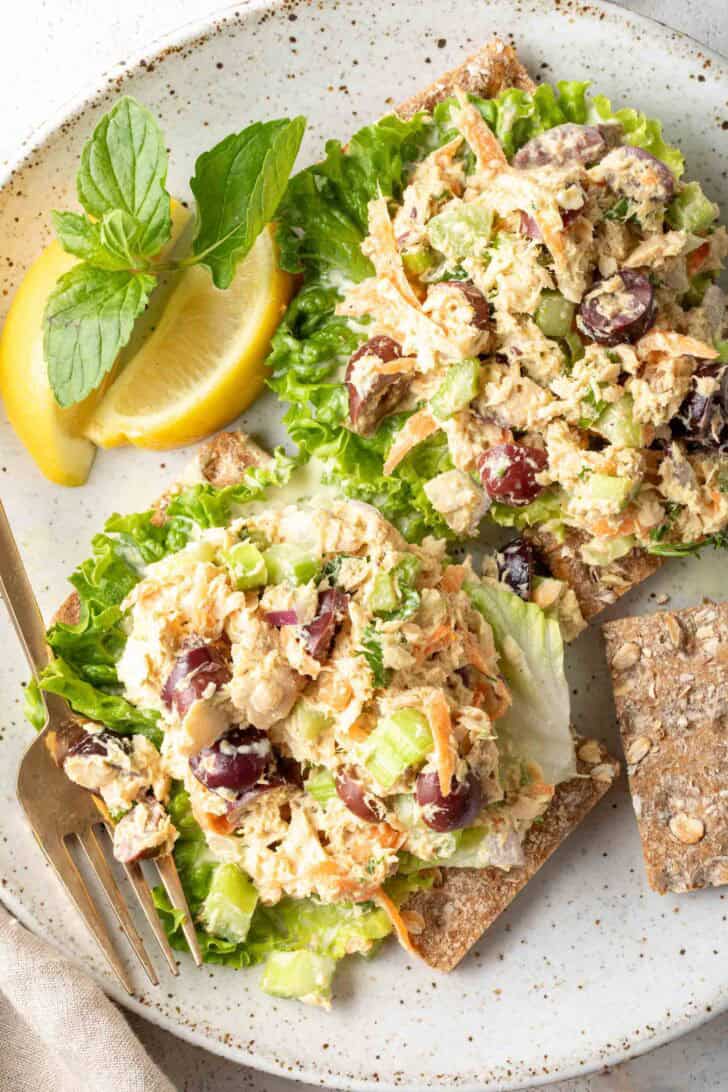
670,679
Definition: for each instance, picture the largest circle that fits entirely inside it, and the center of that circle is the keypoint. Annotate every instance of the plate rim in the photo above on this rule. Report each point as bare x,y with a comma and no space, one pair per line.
190,34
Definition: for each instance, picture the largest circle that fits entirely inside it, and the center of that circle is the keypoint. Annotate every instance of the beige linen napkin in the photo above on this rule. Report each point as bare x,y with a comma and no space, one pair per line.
58,1030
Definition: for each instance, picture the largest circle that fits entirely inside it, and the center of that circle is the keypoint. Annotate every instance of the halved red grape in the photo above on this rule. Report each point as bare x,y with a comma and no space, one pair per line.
281,618
530,228
508,472
333,605
562,144
380,394
358,800
236,761
198,666
515,567
452,812
97,743
478,303
619,309
703,419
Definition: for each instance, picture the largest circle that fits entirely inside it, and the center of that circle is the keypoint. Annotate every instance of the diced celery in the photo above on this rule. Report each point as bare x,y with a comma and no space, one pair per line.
603,551
246,564
419,261
554,314
460,230
458,388
575,346
399,741
698,284
309,722
691,210
228,908
616,492
301,974
289,564
384,595
320,784
617,424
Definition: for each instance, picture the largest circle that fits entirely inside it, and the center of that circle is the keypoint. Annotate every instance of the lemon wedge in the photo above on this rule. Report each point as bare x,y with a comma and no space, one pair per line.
50,434
53,436
203,363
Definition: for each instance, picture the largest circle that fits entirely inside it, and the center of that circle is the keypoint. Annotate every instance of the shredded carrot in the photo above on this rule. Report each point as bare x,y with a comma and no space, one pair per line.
384,251
330,870
551,231
483,141
438,715
389,838
415,429
607,528
696,258
476,657
333,691
440,637
453,577
496,698
670,343
395,367
383,900
361,729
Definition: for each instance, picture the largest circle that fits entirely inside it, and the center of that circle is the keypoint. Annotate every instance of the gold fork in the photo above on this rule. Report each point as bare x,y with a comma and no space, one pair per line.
59,811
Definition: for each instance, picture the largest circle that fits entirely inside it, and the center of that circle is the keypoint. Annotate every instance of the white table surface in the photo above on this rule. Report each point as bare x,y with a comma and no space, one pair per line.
51,49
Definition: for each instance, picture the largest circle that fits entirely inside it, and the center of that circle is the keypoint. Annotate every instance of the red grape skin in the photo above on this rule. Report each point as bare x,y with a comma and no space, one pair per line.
508,472
618,310
236,761
196,667
357,799
367,408
452,812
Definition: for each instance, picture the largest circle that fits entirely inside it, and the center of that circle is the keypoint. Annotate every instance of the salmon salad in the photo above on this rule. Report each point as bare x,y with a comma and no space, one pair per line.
531,331
314,715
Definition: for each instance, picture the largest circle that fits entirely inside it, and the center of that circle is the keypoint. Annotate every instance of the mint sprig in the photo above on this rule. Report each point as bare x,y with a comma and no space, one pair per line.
122,187
238,185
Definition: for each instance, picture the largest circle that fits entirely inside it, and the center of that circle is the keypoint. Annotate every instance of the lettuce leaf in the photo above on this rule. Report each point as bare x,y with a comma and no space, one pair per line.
83,669
96,704
292,924
532,662
322,223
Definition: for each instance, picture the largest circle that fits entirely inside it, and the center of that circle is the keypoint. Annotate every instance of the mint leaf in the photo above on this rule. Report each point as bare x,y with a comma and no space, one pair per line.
238,186
114,243
124,166
88,318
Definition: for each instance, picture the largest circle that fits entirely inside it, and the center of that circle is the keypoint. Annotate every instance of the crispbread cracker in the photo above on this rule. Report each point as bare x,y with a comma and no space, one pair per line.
458,911
492,69
670,679
596,587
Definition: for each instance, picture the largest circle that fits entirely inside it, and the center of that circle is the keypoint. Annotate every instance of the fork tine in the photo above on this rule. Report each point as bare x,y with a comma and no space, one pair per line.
59,857
136,878
101,867
168,873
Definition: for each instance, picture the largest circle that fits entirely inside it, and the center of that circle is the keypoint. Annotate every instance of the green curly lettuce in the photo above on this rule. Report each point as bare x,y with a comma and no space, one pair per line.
322,223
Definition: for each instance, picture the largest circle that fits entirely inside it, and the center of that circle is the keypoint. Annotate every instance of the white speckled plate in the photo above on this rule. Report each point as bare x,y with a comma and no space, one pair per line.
588,966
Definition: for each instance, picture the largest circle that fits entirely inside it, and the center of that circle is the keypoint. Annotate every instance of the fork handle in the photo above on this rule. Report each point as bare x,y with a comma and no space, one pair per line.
20,599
